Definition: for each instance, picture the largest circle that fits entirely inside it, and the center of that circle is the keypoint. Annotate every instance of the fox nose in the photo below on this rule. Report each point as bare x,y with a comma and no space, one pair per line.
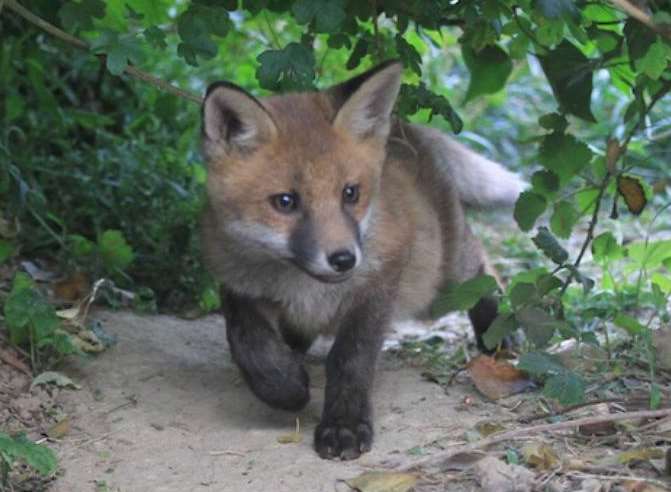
342,260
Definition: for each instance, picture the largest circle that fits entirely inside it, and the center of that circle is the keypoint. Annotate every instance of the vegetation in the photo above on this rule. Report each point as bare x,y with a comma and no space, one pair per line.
100,170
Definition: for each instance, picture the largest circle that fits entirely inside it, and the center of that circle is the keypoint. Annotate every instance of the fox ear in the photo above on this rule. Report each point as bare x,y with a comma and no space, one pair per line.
233,119
364,103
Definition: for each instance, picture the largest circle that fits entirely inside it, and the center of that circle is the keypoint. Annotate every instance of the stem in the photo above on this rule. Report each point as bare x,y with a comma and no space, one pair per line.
82,45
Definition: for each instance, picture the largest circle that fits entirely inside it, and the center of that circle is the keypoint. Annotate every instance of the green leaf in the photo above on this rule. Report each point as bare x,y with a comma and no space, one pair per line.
570,75
553,121
558,9
546,283
328,15
489,68
118,50
564,155
155,37
6,250
360,50
629,324
639,38
547,243
116,253
540,364
290,68
502,326
27,313
41,458
80,15
461,297
567,388
545,182
650,254
655,60
563,219
605,248
196,27
413,97
538,325
523,293
409,55
528,208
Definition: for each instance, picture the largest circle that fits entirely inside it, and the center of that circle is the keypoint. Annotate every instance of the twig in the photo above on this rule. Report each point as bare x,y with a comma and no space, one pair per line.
437,459
643,17
78,43
569,409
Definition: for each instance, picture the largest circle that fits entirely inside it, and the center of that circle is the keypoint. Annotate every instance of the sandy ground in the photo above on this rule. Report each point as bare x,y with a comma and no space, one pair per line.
165,410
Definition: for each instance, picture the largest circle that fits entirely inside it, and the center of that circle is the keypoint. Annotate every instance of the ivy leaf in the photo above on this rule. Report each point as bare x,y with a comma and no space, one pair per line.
528,208
461,297
489,68
502,326
567,388
550,247
328,15
564,155
570,75
290,68
114,250
563,218
80,15
414,97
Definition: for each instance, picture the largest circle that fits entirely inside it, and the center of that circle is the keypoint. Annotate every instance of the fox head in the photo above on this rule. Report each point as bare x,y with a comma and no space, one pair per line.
295,177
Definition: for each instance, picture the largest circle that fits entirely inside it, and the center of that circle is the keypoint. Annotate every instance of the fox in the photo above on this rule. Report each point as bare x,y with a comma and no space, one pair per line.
328,214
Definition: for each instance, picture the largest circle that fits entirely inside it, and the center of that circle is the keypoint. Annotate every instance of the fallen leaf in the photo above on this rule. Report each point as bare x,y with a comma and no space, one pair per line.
72,288
9,357
640,454
497,379
540,455
383,482
486,428
56,378
496,476
60,429
68,314
293,437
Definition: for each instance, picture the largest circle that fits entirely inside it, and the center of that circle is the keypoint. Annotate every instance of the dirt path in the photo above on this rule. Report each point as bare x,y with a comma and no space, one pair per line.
165,410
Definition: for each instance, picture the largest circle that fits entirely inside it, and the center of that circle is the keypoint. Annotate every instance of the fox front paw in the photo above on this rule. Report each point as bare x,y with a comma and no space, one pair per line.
344,441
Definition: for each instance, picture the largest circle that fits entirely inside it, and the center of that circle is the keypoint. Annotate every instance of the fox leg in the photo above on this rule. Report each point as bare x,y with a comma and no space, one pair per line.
273,371
346,426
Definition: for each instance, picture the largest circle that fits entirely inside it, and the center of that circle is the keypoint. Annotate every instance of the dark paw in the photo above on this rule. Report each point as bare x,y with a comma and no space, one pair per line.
347,441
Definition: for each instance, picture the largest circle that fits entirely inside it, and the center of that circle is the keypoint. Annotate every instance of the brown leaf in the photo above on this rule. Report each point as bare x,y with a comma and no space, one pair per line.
73,288
383,482
60,429
496,476
640,486
613,151
497,379
633,193
10,357
540,455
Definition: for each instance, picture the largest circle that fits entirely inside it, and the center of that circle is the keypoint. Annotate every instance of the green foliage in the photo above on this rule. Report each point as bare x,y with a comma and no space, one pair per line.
561,383
40,458
463,296
32,322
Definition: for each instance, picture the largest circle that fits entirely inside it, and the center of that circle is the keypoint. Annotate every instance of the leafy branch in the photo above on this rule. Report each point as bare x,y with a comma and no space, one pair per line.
82,45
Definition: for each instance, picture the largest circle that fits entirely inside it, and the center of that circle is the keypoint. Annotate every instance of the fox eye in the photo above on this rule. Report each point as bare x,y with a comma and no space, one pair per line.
285,202
350,194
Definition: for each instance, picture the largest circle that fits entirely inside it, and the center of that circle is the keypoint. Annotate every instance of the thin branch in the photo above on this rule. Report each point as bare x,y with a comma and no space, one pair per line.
438,459
643,17
78,43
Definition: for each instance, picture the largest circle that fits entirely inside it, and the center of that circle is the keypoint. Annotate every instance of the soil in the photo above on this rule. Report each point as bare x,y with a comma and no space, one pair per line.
165,410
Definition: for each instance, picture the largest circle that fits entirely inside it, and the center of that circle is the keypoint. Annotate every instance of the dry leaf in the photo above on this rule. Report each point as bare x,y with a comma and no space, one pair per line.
486,428
56,378
540,455
497,379
68,314
293,437
496,476
633,193
613,151
59,430
72,288
640,454
10,357
383,482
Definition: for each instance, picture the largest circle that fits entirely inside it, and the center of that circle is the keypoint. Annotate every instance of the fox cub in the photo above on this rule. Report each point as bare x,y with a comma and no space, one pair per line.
327,214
